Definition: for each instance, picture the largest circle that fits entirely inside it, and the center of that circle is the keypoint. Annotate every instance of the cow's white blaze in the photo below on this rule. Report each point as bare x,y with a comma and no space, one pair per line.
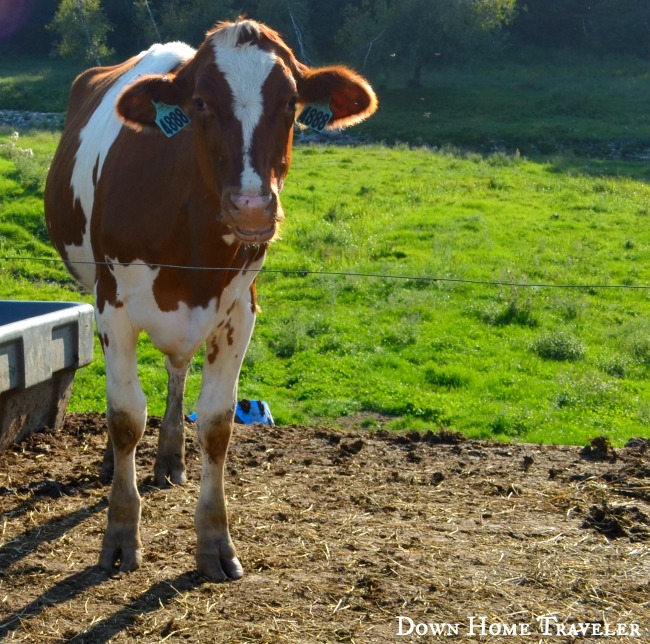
246,68
99,134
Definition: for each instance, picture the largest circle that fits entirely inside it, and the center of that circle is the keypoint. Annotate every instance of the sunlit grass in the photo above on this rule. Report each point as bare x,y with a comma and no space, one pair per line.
493,361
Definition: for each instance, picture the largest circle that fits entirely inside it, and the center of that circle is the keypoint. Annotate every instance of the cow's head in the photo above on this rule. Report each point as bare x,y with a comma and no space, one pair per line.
242,92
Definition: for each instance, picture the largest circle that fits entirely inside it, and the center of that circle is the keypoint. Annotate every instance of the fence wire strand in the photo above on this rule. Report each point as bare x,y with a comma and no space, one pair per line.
306,271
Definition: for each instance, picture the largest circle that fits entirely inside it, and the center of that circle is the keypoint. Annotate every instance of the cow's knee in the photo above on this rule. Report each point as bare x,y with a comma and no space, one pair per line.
126,429
214,435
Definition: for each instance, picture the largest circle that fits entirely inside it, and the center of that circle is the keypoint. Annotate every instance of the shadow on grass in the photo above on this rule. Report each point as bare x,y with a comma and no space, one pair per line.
631,167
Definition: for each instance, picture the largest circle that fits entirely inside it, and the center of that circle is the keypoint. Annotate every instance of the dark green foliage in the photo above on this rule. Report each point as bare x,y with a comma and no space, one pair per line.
515,311
561,346
382,37
598,26
446,378
81,29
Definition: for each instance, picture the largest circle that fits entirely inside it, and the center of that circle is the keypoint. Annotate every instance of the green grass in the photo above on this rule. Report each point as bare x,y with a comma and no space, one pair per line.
563,104
556,365
38,85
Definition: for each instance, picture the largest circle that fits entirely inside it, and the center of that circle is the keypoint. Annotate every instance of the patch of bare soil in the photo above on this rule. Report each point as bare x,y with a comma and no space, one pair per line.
340,533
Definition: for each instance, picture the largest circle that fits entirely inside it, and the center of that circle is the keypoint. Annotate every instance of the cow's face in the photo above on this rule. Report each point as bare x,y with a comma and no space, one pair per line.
241,92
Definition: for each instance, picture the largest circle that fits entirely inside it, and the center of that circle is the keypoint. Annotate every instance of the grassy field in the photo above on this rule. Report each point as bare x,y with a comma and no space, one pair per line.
528,363
557,363
540,104
38,85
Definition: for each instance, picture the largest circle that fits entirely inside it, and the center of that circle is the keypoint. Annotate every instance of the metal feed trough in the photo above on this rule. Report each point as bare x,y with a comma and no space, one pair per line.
42,344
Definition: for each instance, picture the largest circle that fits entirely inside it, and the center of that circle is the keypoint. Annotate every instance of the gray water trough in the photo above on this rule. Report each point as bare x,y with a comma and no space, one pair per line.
42,344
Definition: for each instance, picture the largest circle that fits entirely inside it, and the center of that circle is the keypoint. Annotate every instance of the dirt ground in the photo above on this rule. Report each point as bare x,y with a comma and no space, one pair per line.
340,534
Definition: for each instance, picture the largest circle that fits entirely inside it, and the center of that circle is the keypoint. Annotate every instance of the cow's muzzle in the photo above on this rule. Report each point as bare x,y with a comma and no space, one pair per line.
254,218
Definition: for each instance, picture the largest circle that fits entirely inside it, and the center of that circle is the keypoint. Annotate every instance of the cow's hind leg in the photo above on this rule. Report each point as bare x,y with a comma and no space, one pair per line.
106,470
215,554
127,416
170,459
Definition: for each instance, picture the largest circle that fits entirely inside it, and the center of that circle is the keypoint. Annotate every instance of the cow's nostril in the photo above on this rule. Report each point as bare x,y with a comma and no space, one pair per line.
250,202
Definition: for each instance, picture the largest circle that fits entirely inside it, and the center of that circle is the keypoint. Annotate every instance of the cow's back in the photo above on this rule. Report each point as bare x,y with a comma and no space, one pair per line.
91,129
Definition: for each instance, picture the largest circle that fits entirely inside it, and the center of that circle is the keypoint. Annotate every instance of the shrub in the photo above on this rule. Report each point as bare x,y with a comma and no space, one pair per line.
561,346
514,312
446,378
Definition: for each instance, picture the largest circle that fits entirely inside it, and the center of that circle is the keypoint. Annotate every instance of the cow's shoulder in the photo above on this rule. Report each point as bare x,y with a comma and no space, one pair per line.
92,86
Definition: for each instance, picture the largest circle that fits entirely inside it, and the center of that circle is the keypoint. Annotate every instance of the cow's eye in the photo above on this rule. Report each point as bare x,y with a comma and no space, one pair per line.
292,105
199,103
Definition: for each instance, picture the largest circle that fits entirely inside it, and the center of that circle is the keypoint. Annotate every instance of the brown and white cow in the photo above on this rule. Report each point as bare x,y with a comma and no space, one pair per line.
172,163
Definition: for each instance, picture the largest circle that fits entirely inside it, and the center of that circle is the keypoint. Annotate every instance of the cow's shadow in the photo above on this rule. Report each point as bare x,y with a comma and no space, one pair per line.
77,583
21,546
103,631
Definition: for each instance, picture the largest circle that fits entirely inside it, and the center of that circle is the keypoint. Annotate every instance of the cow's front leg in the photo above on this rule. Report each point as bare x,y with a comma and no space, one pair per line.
215,553
170,458
126,416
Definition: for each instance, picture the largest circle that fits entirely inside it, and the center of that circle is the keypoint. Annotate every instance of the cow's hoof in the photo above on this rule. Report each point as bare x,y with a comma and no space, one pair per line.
219,564
165,472
129,556
106,471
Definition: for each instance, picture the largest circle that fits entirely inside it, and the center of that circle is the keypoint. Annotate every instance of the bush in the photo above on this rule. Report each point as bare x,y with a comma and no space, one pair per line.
561,346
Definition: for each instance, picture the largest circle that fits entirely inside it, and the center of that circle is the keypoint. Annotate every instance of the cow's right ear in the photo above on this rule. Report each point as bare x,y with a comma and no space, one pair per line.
135,105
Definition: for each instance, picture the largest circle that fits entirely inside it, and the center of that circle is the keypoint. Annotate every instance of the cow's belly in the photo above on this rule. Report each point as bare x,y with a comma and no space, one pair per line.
82,262
180,332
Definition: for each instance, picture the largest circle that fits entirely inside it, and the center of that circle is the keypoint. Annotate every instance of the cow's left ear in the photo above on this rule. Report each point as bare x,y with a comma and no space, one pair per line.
135,105
349,95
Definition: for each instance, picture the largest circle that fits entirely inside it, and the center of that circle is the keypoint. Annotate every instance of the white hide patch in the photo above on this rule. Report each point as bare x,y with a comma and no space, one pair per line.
181,332
99,134
177,333
246,68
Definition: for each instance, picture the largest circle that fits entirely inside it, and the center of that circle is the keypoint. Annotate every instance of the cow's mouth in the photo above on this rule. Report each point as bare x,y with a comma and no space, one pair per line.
255,236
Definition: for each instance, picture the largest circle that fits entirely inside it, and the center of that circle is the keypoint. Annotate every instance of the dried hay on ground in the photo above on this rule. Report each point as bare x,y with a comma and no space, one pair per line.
339,533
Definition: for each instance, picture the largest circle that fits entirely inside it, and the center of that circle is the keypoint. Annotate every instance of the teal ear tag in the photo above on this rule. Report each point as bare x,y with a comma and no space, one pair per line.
316,116
170,118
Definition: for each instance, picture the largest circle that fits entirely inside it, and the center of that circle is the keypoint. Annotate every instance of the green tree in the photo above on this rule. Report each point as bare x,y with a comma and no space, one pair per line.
81,29
186,20
411,35
291,18
597,26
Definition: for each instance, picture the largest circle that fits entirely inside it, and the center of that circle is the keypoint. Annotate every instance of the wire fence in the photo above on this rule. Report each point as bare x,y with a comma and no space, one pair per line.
369,275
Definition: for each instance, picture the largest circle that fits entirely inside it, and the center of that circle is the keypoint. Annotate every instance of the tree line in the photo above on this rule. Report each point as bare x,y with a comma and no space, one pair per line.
381,37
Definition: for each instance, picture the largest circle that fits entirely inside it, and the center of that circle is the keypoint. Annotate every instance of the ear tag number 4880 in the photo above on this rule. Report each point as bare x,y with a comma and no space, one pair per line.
315,116
170,118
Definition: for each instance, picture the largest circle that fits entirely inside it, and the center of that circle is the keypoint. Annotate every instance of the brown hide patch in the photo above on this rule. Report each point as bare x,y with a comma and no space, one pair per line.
214,346
125,431
95,172
230,333
255,309
66,221
106,289
103,340
214,436
206,251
